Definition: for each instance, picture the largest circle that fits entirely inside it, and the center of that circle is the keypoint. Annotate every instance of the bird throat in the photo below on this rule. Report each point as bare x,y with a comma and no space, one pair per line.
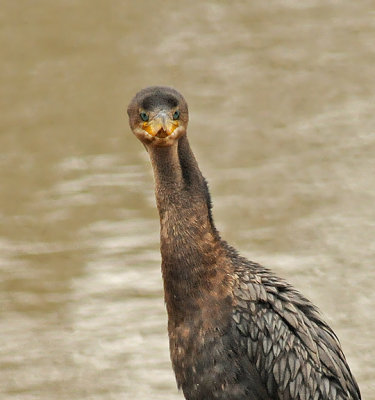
162,134
193,258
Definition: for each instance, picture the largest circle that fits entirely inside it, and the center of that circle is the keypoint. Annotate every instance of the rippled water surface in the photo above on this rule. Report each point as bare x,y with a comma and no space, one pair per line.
281,97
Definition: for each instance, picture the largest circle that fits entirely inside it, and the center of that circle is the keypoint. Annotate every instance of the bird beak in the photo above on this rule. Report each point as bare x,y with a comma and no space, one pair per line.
161,125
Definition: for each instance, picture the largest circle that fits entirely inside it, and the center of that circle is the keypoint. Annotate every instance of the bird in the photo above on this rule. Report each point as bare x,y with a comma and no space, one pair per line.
236,330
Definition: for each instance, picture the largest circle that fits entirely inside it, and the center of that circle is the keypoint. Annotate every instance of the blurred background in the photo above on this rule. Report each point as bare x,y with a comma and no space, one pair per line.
281,97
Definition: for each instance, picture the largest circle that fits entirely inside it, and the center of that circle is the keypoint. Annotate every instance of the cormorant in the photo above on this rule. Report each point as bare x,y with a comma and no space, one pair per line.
236,330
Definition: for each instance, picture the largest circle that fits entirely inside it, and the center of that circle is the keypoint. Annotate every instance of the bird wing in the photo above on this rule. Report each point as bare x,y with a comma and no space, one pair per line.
295,352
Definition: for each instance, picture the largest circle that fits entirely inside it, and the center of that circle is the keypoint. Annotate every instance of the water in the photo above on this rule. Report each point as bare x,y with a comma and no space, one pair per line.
281,98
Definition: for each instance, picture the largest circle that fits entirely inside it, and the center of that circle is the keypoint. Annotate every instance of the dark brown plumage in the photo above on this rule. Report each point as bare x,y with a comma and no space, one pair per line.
236,330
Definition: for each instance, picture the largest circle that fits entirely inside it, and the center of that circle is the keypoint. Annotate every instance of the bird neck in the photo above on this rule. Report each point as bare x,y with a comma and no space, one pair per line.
193,256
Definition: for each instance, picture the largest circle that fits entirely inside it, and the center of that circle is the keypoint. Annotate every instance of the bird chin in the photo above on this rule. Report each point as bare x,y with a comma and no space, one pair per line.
149,140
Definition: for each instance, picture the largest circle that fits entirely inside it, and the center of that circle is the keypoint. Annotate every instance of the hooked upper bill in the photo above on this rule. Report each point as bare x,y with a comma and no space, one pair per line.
161,125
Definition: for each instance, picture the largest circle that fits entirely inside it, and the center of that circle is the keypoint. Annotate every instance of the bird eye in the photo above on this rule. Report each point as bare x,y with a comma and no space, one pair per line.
176,114
143,116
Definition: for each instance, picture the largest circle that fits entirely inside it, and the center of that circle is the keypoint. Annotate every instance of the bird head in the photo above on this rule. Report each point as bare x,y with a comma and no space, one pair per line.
158,116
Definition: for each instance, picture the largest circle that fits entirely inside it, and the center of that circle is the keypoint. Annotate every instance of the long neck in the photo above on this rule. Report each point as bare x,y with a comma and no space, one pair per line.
180,188
190,245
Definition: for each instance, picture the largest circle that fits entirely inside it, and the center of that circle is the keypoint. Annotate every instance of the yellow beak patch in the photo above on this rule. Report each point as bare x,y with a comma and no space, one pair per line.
160,126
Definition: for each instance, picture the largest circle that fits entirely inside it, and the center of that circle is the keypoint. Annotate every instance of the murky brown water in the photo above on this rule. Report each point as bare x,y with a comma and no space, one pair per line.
281,96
